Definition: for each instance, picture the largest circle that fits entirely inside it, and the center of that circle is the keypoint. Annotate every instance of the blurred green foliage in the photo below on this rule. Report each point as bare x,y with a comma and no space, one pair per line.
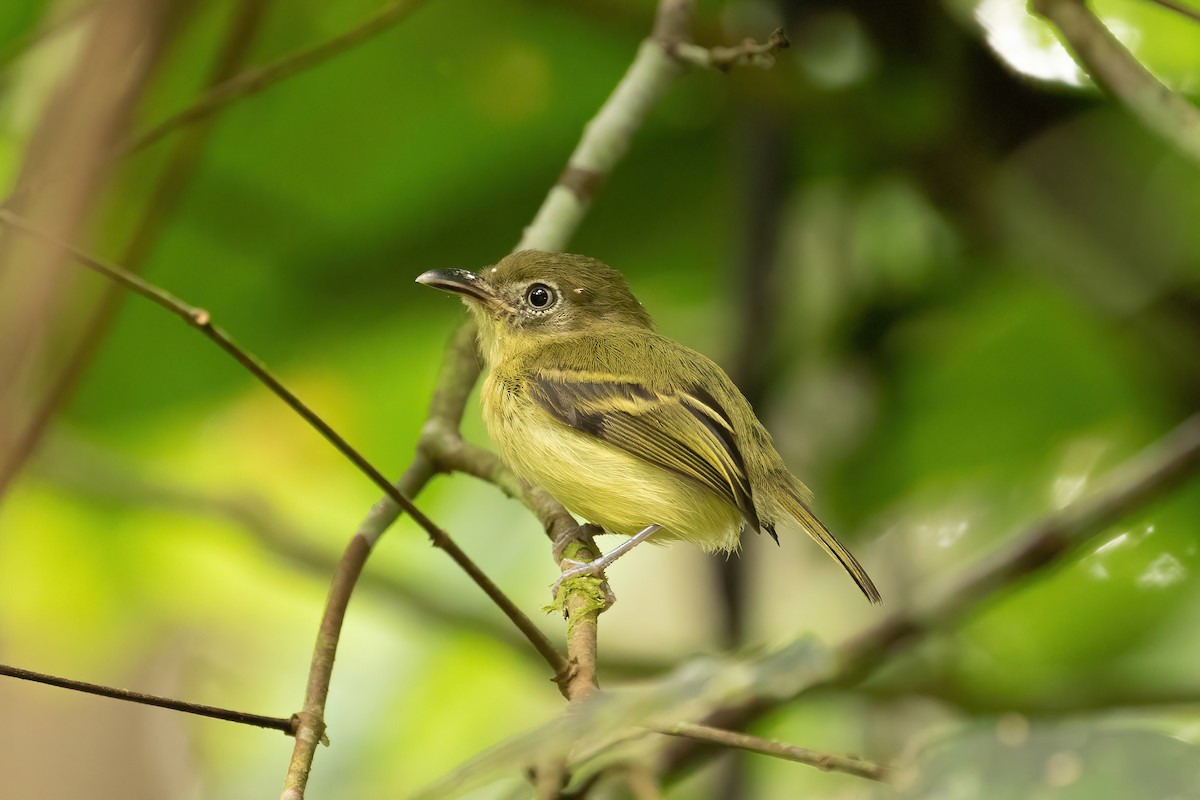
985,294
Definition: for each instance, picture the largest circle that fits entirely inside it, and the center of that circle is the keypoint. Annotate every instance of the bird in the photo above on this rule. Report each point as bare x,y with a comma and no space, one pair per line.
627,428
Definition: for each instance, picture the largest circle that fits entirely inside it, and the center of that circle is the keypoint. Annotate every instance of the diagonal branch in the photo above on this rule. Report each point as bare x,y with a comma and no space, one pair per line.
66,19
1115,69
201,320
235,88
257,720
747,54
828,762
255,80
86,113
163,198
85,470
1191,12
1129,487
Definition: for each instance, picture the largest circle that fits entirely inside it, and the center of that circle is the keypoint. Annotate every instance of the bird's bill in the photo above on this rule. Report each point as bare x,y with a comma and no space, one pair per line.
458,281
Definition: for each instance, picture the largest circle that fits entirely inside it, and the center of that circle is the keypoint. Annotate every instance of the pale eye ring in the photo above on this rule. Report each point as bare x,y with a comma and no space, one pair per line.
539,296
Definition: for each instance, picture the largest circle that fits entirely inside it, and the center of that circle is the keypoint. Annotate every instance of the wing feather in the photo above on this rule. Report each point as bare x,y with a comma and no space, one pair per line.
687,433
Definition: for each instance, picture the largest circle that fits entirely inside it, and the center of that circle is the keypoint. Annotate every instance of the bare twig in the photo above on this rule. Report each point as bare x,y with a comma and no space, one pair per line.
201,320
81,470
586,598
659,63
311,726
457,376
163,198
1062,700
1191,12
1114,68
90,472
46,30
257,720
236,88
443,445
827,762
85,115
607,137
255,80
1131,486
747,54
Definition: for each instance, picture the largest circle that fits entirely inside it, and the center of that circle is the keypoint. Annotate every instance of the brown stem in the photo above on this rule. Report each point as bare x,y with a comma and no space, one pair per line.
257,720
827,762
586,599
1112,66
255,80
201,320
1078,699
747,54
66,19
238,87
95,473
1131,486
84,116
1179,8
310,729
163,199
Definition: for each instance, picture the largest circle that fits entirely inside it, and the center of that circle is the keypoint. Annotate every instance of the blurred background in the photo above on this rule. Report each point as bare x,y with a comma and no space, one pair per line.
957,283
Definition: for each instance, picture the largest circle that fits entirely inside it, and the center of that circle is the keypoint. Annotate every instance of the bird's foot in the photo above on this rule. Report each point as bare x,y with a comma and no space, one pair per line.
582,534
576,569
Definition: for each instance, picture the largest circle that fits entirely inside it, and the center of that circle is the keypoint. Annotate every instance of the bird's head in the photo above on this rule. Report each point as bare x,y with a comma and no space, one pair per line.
534,293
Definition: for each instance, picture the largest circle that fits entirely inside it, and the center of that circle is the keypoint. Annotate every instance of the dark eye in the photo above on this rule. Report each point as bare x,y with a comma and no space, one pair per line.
539,295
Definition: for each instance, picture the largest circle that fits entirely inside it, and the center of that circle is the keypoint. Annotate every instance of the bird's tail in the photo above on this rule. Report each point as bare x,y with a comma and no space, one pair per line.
798,508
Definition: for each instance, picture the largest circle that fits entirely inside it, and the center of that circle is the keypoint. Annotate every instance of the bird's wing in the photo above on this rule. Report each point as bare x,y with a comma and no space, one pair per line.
685,432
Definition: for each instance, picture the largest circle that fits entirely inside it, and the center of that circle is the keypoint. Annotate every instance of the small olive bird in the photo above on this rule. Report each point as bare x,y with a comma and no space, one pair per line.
626,428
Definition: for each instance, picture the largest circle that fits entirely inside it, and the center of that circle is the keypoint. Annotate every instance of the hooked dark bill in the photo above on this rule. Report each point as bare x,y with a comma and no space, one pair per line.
458,281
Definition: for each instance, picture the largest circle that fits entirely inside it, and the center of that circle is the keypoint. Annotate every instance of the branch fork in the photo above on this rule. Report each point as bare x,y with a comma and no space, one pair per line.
749,53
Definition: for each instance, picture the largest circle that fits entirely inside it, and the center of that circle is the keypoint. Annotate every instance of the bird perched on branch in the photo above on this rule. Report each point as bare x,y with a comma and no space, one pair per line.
626,428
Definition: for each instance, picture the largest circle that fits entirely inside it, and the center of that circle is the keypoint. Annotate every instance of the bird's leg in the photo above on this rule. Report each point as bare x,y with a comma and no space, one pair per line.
595,568
580,533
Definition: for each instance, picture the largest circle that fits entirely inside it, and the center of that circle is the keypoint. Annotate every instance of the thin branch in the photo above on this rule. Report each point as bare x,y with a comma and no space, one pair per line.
311,728
1059,701
586,598
1115,69
46,30
608,135
660,61
242,718
827,762
458,374
90,472
1125,489
163,199
443,445
255,80
81,470
747,54
201,320
84,116
1129,487
1191,12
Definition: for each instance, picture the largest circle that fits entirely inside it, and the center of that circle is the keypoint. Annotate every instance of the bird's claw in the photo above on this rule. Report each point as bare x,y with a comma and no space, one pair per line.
575,569
583,534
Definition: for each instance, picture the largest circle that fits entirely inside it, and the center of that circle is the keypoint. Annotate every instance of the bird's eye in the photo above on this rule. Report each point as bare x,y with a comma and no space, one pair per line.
539,295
